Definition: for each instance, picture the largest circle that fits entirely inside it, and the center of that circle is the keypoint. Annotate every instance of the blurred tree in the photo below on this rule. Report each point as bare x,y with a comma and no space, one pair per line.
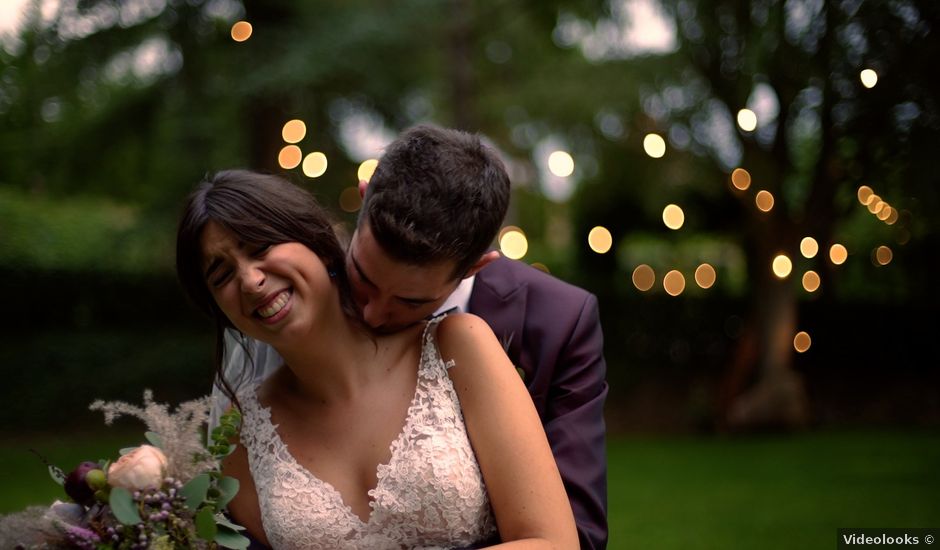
819,135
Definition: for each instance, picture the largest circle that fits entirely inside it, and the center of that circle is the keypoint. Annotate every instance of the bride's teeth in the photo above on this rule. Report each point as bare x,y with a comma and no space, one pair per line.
276,306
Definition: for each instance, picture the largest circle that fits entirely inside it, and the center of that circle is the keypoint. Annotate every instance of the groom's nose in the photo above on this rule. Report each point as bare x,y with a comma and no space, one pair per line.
374,314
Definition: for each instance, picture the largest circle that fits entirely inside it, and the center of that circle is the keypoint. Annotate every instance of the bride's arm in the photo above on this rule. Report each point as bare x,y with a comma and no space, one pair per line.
244,508
522,480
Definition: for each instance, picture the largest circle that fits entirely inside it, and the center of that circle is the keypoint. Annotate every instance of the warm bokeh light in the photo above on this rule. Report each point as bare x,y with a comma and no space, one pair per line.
802,342
644,277
600,240
241,31
893,218
883,255
747,120
864,194
349,199
741,178
869,78
294,131
811,281
838,254
366,169
705,276
885,212
513,243
673,216
764,201
314,165
782,265
874,204
674,283
561,164
809,247
289,157
654,145
541,267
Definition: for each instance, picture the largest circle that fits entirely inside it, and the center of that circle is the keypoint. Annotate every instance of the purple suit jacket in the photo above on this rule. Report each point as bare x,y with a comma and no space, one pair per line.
552,332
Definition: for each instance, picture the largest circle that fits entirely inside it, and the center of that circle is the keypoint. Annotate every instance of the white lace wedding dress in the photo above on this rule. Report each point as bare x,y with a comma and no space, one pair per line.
429,495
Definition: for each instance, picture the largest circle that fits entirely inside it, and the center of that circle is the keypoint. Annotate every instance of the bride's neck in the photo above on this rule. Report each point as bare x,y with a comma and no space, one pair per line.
330,362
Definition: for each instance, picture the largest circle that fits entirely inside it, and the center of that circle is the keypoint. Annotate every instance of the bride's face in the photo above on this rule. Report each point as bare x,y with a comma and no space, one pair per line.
270,292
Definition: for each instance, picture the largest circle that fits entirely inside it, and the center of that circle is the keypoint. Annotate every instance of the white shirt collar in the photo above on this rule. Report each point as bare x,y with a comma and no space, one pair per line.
459,298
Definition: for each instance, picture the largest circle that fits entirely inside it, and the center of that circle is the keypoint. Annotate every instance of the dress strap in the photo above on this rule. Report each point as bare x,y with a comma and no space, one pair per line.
430,354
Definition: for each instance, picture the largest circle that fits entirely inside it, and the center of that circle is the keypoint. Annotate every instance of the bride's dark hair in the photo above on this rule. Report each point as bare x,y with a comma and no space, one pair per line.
262,209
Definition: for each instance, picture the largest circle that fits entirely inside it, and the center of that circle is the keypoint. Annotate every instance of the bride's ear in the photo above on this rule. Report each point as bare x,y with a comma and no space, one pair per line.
484,261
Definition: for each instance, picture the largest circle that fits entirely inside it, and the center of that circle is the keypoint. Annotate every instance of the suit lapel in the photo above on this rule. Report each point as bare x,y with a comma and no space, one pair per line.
500,299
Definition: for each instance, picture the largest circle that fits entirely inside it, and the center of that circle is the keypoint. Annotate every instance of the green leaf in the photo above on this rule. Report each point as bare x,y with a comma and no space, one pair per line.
126,450
154,439
228,486
195,491
57,474
227,538
205,524
122,505
222,521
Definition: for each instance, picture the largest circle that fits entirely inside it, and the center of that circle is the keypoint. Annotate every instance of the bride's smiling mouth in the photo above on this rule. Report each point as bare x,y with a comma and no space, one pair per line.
275,308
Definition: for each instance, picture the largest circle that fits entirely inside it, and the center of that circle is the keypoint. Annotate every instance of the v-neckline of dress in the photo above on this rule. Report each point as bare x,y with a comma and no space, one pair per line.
381,469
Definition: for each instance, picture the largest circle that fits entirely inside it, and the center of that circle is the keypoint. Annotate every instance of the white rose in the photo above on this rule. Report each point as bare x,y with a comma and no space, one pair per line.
142,468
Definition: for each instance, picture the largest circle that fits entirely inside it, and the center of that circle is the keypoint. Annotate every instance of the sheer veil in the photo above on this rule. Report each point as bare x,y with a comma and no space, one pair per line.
246,362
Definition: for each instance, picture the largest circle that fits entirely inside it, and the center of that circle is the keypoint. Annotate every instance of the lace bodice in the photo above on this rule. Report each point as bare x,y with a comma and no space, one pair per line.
429,495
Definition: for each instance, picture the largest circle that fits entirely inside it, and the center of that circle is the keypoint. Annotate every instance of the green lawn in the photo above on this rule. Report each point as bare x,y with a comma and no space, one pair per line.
678,492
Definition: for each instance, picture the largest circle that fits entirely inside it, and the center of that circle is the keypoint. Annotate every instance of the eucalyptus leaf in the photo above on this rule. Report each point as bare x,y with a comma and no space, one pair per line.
227,538
228,487
195,491
57,474
122,505
154,439
126,450
205,524
222,521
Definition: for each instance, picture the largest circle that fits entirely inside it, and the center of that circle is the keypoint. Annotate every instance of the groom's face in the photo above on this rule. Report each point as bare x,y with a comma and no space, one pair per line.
391,294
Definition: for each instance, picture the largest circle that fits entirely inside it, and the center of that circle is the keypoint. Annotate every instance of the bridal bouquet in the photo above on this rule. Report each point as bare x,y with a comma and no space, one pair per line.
168,494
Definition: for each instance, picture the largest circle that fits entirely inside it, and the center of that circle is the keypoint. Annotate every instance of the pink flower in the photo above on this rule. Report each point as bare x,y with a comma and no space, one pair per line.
142,468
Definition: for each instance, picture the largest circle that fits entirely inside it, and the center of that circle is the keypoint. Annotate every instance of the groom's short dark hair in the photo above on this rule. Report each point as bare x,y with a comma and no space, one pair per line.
437,194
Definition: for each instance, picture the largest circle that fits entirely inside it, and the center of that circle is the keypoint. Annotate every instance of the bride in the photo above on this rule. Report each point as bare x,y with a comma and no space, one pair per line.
422,438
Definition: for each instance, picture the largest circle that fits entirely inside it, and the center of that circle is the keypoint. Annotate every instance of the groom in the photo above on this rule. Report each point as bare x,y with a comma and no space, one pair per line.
430,212
429,215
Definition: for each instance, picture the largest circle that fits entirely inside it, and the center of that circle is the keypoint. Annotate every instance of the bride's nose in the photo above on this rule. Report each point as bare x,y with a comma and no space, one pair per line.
252,278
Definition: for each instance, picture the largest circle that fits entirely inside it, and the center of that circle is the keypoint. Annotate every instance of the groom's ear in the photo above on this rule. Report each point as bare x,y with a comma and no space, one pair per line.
484,261
362,188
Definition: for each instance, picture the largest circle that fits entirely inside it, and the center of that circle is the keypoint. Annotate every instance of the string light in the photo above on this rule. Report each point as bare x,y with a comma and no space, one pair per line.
674,283
513,242
315,165
868,77
294,131
811,281
654,145
673,216
289,157
741,178
782,266
705,276
366,169
644,277
600,240
809,247
561,164
747,120
241,31
802,342
838,254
